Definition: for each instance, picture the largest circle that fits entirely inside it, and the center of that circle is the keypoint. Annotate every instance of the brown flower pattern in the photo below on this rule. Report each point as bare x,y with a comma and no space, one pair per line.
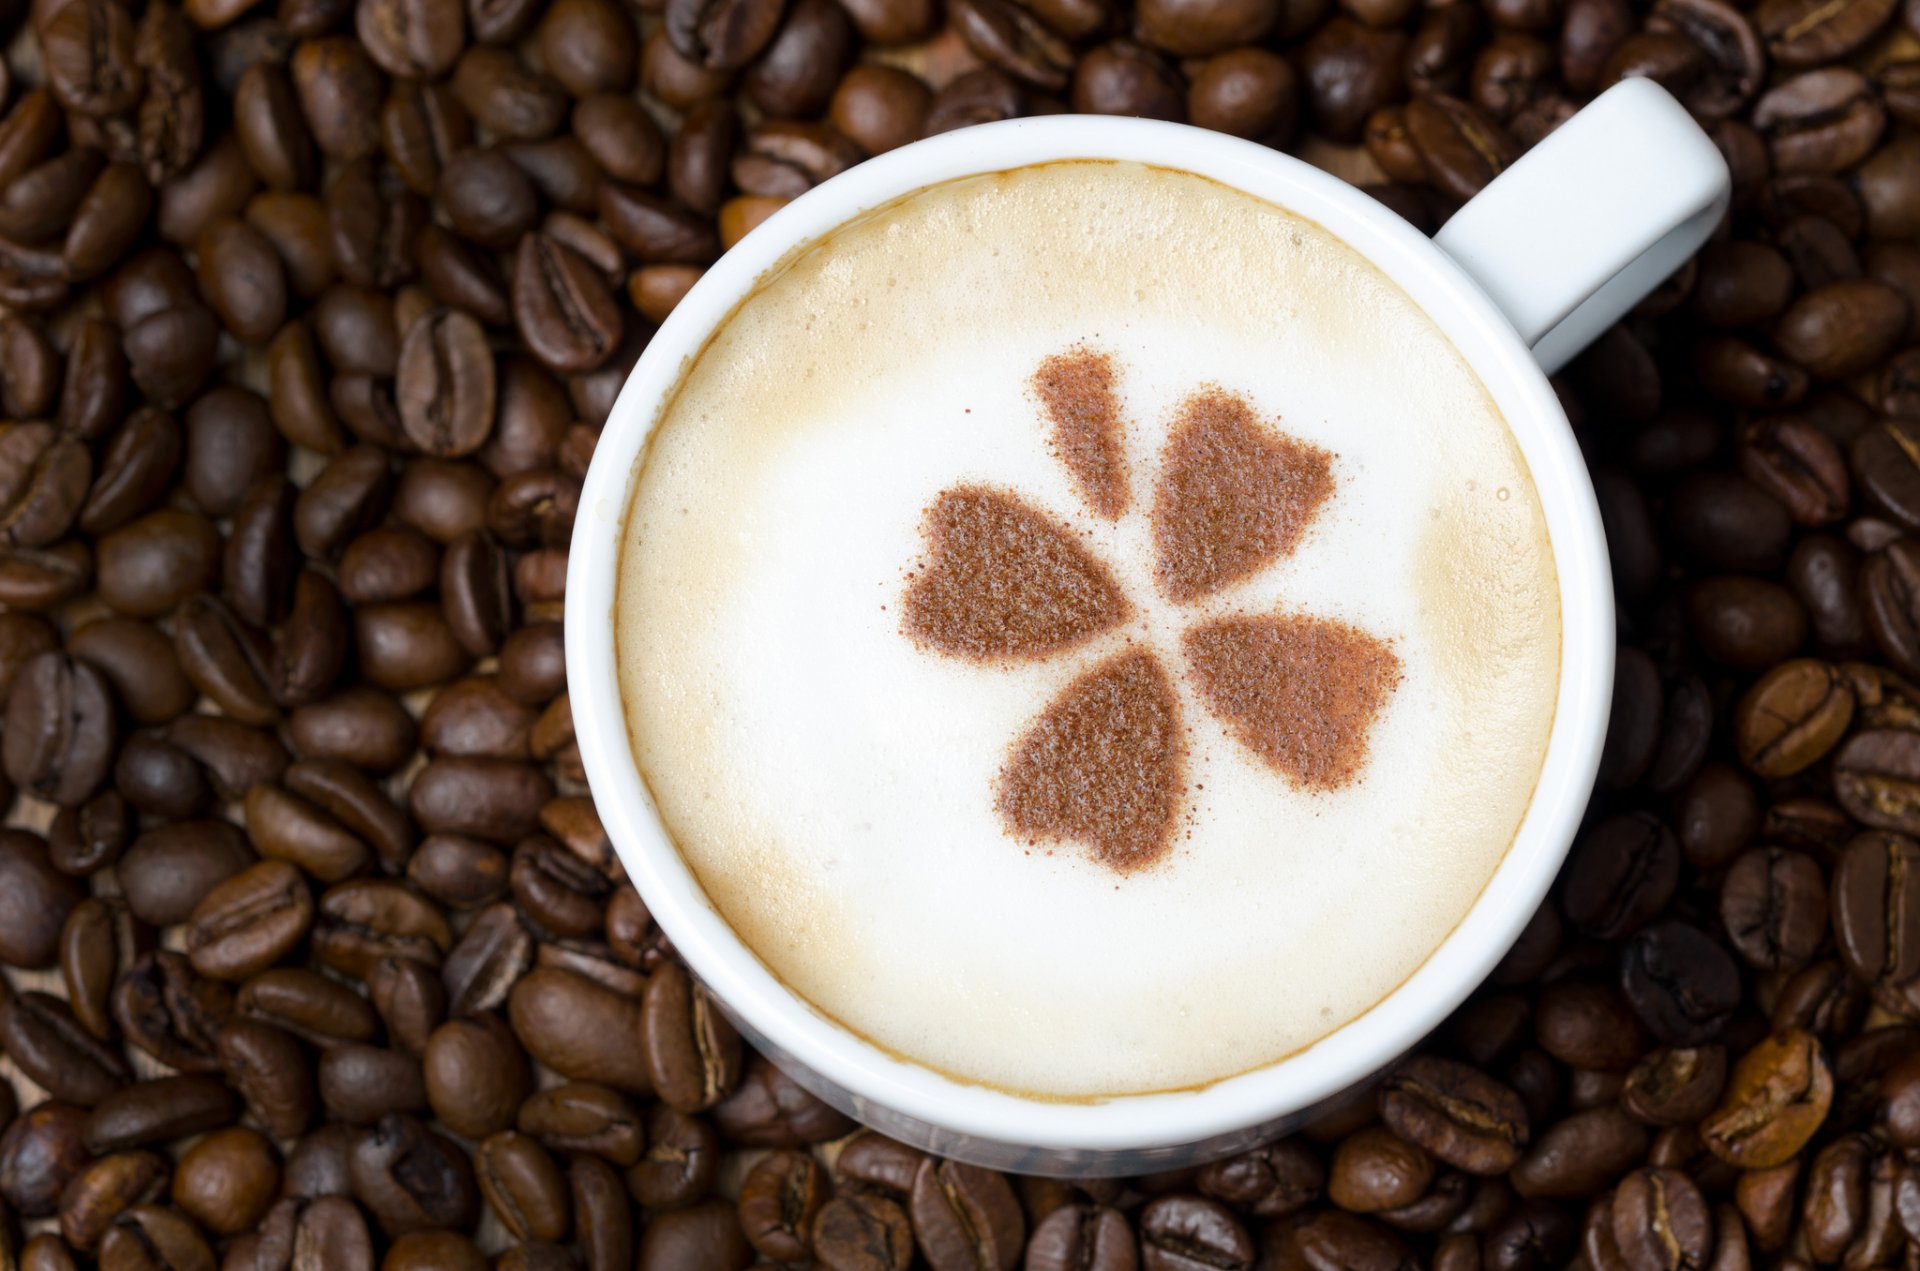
1104,763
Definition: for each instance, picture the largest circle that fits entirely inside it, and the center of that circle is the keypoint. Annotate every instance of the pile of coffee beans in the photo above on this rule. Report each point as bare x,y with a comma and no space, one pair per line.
317,953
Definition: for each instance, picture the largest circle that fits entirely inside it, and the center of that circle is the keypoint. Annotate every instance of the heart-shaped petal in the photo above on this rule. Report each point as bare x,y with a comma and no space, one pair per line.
1233,496
1076,388
1300,692
1000,580
1101,766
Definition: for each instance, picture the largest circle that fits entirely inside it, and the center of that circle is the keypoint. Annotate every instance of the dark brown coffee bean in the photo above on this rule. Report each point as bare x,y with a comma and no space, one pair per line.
523,1187
411,1178
135,470
1586,1023
1621,874
1748,624
1877,779
159,1110
35,901
340,93
562,306
491,799
405,645
581,1030
693,1053
1461,1116
150,566
1581,1154
1377,1170
1820,121
655,230
228,1180
1842,328
580,1117
490,957
106,1188
867,1232
703,1235
504,97
1798,465
722,34
411,1000
250,921
1182,1232
411,39
1660,1220
1800,34
446,384
43,484
60,731
1348,71
243,280
1774,905
1890,591
50,1046
266,1067
41,1151
226,659
476,1075
778,1203
91,950
361,1084
171,1012
358,923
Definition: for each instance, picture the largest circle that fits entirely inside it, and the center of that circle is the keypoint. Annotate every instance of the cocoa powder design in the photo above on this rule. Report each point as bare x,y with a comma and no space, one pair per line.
1104,763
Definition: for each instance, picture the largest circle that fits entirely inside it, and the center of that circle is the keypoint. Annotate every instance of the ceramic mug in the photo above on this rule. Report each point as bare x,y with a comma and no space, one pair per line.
1524,276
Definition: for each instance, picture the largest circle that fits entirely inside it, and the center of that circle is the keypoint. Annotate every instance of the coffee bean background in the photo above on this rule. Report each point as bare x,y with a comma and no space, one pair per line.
316,954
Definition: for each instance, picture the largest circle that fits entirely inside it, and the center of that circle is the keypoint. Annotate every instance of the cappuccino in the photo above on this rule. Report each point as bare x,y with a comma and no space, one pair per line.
1086,629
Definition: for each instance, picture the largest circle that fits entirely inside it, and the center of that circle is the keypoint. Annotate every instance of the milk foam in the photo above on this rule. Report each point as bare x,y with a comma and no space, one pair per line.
832,784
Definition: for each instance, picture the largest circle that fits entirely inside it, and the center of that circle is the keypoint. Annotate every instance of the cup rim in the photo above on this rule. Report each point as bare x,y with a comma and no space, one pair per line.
1352,1052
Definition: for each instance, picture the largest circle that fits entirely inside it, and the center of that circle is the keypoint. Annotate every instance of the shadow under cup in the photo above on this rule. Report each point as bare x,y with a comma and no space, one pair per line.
1134,1133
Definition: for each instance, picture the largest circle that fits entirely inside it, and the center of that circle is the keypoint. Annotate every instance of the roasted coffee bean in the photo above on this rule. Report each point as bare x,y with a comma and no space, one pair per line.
693,1053
1775,1101
445,388
1580,1154
1681,984
1675,1085
250,921
159,1110
411,39
266,1066
1774,905
579,1116
361,1084
703,1235
309,1005
867,1232
35,901
228,1180
105,1189
437,1249
523,1187
778,1203
411,1178
148,567
1587,1023
1459,1115
168,1010
681,1162
562,306
1792,717
1621,874
476,1075
90,958
770,1109
46,1042
60,732
1890,591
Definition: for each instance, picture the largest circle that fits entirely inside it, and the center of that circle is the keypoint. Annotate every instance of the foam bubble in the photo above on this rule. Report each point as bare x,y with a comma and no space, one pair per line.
833,782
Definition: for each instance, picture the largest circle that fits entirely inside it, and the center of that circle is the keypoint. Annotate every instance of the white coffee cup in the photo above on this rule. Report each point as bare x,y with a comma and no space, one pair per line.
1523,277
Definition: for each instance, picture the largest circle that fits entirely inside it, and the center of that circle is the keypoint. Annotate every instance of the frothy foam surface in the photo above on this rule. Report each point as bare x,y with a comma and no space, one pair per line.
1306,730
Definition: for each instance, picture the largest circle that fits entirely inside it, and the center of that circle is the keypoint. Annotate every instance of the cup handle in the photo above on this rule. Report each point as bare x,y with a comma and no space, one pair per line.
1592,219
